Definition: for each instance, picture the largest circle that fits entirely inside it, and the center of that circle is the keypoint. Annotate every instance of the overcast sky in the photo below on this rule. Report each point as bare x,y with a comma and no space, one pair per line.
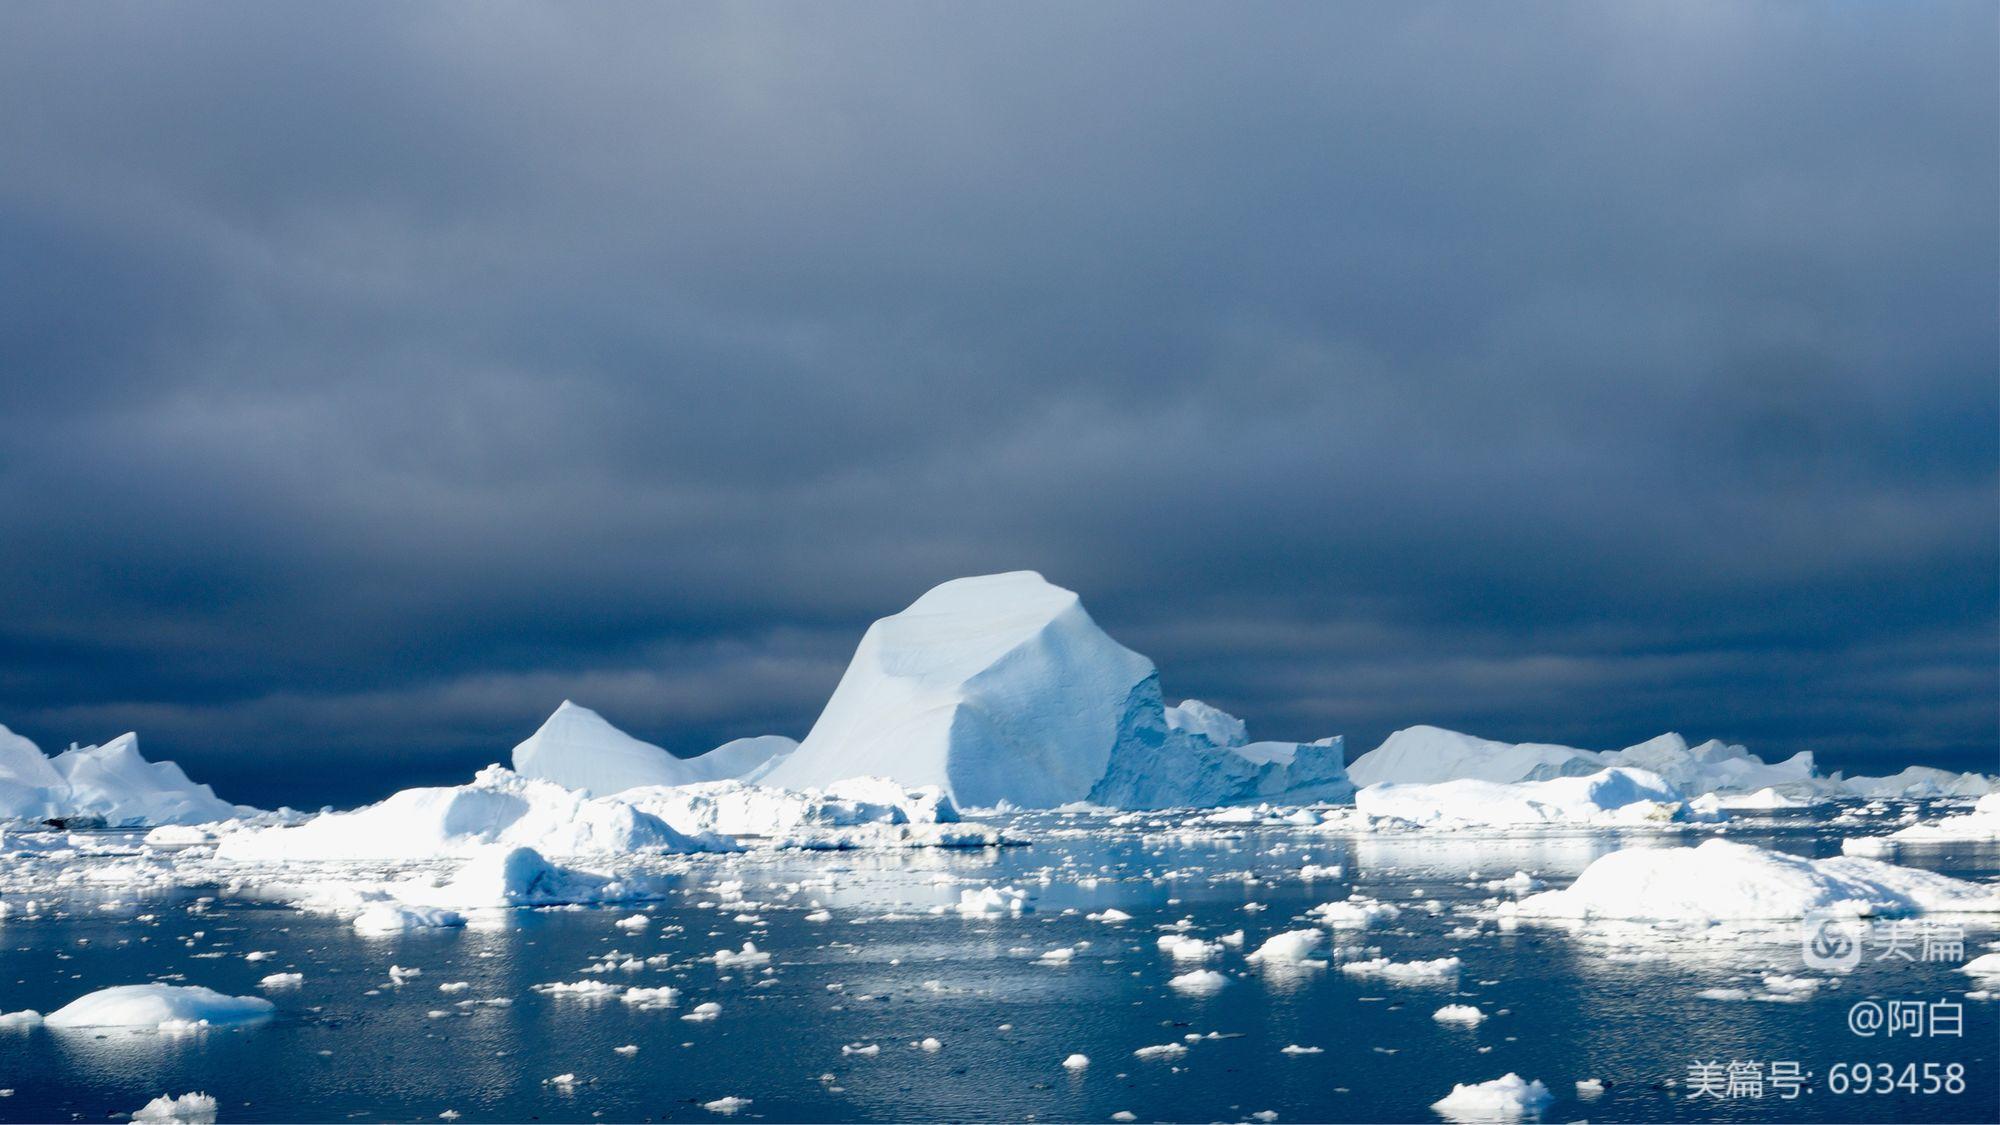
377,377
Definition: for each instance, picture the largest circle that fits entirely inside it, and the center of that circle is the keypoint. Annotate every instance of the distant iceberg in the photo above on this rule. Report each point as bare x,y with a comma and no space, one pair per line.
1607,798
1425,755
110,784
576,748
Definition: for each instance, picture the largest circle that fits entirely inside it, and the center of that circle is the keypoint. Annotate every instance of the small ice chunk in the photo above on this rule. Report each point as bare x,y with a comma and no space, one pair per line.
1200,980
1506,1098
1464,1014
747,956
1077,1062
1290,947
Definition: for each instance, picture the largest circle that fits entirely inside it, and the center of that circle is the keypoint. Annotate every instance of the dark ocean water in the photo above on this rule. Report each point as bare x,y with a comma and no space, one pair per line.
884,971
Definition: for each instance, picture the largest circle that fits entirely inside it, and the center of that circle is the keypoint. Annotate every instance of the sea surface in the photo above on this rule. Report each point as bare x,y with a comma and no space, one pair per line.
887,971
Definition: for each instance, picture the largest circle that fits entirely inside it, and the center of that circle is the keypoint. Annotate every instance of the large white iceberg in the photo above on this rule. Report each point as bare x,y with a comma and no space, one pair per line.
1000,688
576,748
994,688
498,807
28,783
111,783
1608,797
1722,880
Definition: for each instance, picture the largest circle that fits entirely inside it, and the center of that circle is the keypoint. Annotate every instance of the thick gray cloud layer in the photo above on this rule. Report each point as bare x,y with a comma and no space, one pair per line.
376,377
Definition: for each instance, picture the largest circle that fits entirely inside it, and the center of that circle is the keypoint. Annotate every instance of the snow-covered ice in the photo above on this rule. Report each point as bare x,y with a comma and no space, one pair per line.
1506,1098
110,784
994,688
159,1006
1608,797
497,807
1722,880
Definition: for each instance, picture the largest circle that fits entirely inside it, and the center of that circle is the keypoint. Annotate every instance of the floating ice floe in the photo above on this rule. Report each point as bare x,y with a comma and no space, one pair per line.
1199,981
1356,913
170,1007
985,901
1288,948
1722,880
188,1109
1463,1014
1506,1098
1981,825
1183,947
1442,970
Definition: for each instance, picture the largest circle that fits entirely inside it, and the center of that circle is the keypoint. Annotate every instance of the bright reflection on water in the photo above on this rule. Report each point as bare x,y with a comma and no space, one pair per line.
349,1043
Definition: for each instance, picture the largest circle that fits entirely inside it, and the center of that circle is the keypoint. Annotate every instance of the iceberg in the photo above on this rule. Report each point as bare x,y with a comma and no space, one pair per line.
1608,797
1429,754
1920,782
1722,880
1001,689
498,807
1713,766
993,688
110,784
578,749
165,1006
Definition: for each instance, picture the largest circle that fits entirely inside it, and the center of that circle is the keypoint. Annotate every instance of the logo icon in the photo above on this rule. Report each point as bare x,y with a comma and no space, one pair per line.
1831,942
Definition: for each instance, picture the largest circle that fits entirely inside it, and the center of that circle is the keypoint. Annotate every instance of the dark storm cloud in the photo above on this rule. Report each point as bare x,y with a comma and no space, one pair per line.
377,377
